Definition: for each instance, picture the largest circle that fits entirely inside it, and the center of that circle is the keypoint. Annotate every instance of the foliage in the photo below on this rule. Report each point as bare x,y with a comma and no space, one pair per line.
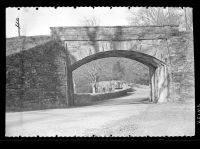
177,51
156,16
125,69
162,16
118,71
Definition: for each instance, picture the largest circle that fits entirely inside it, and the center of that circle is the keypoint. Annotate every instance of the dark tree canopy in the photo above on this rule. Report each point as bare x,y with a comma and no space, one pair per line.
118,71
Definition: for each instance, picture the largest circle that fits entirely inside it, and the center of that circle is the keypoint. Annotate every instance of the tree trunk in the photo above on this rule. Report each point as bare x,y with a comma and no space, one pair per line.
93,88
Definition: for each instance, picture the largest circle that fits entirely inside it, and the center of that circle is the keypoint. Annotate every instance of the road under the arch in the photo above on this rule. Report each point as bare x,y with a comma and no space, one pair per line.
158,72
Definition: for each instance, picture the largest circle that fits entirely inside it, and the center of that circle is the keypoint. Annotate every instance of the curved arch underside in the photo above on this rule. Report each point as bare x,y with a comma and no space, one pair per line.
159,82
145,59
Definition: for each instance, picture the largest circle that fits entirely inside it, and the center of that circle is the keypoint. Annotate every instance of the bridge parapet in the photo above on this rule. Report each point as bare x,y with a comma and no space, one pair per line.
84,41
114,33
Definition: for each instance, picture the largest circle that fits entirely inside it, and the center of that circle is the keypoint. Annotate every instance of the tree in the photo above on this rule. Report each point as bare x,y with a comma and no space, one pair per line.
118,71
156,16
90,21
94,69
162,16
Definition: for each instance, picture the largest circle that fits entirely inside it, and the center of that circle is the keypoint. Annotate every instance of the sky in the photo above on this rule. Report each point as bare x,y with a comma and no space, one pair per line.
38,22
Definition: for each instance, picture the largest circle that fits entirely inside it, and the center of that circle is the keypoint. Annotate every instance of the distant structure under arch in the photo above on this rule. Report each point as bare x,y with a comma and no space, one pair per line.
157,71
108,41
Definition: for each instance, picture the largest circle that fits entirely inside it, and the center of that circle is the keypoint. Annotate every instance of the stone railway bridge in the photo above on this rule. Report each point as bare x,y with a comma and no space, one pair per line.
72,47
102,42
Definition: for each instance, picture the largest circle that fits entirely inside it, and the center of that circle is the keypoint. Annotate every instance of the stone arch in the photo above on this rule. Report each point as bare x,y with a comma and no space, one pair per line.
157,69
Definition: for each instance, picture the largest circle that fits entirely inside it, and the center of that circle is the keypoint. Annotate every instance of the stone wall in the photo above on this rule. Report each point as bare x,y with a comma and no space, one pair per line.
183,76
15,44
88,99
84,41
36,76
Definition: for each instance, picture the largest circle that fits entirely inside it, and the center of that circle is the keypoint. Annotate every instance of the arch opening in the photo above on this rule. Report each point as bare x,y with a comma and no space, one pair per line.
120,79
145,59
158,80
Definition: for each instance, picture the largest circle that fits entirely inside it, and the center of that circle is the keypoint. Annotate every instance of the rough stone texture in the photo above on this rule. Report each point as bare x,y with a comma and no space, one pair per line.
87,98
158,70
112,33
36,76
15,44
84,41
160,84
183,83
134,55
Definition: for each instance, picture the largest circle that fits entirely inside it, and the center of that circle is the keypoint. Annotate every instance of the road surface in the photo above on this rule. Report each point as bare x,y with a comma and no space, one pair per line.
129,115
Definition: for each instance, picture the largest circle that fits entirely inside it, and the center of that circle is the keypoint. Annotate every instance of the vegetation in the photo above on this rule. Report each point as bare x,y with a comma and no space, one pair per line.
37,69
178,52
162,16
87,77
112,69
